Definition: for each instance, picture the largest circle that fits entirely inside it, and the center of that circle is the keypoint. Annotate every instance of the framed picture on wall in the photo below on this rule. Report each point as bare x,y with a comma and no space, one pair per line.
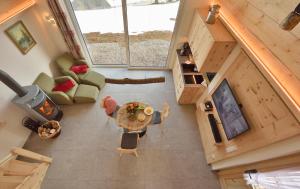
20,36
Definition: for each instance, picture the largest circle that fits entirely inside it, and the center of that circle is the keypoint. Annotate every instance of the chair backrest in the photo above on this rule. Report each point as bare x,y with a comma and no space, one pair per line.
45,82
165,111
65,62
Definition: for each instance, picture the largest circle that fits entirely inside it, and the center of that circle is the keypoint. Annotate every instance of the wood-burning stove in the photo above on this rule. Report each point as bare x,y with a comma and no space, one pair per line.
33,100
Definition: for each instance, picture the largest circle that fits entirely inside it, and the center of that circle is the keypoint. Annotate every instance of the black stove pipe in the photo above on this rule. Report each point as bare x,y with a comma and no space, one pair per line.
12,84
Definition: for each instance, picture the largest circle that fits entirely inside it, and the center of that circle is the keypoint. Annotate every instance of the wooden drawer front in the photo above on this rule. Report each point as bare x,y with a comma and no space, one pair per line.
178,79
176,73
197,34
179,88
203,47
192,32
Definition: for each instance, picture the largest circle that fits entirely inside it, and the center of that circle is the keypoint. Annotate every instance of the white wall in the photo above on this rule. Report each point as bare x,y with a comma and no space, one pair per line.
25,68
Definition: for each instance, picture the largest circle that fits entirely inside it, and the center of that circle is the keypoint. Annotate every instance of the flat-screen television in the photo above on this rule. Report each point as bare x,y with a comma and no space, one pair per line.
232,118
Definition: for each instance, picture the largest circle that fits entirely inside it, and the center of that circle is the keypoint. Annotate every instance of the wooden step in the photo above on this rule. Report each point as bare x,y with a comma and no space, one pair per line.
35,180
9,182
18,168
19,174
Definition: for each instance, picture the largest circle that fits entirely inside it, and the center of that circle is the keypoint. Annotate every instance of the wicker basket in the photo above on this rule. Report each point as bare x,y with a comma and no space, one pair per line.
44,129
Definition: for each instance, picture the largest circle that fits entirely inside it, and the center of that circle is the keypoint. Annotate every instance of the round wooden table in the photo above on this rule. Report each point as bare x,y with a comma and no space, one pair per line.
133,125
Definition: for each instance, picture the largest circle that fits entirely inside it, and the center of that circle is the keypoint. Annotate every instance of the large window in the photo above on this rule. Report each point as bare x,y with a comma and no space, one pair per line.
141,29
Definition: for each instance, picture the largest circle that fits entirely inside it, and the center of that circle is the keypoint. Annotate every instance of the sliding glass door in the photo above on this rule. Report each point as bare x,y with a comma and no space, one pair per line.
101,25
136,33
150,27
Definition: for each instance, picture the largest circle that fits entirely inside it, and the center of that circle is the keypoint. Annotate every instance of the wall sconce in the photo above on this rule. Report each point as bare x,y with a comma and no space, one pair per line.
291,20
50,19
212,14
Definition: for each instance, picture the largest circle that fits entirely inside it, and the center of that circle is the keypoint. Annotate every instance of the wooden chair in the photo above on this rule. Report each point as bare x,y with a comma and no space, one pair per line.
129,144
19,174
164,114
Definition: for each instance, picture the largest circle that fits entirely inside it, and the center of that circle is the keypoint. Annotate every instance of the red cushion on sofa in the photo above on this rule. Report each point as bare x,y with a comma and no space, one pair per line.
82,68
64,86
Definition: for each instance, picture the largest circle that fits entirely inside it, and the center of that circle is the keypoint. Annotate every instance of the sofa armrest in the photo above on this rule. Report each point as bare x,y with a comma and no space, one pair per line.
64,78
60,98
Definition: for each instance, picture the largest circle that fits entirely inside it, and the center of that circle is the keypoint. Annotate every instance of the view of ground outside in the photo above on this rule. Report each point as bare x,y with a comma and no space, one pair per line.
150,27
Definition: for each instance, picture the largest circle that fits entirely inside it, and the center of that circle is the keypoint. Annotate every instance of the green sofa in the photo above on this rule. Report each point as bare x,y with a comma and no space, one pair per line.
79,93
66,61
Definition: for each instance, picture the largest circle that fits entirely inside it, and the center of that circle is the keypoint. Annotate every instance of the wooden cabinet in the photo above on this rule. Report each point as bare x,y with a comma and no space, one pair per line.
210,44
188,86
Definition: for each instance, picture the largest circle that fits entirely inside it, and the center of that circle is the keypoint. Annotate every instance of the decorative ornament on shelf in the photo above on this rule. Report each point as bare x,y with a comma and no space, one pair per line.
213,13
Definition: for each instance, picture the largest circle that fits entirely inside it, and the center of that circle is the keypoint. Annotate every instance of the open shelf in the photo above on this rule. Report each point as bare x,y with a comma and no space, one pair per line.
189,68
188,81
193,79
181,59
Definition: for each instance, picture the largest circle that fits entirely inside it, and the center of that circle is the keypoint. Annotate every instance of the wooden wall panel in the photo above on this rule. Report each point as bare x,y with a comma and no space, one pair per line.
278,10
262,105
269,118
262,18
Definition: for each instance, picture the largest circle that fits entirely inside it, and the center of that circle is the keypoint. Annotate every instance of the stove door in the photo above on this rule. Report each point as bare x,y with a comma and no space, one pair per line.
47,109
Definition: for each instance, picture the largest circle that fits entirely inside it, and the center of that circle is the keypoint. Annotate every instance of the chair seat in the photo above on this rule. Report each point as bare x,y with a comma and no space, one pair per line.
93,78
129,140
86,93
71,92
